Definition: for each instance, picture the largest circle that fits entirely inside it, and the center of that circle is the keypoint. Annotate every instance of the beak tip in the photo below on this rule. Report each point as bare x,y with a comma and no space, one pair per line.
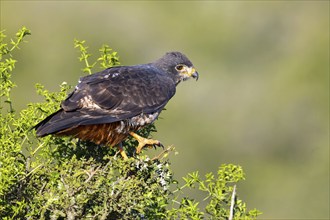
195,75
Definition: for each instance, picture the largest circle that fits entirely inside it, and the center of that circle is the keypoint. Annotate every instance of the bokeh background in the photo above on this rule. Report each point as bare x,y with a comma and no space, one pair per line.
262,100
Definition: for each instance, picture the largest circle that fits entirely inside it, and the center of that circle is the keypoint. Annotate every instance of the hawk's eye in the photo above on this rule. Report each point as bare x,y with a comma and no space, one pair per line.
179,67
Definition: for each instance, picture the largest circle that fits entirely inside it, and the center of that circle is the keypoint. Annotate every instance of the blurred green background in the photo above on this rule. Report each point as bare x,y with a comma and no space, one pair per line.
262,100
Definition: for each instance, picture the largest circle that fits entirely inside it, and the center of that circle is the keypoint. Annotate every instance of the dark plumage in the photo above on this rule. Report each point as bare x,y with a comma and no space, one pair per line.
107,106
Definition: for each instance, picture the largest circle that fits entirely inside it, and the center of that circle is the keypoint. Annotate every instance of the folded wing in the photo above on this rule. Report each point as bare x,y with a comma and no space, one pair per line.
114,94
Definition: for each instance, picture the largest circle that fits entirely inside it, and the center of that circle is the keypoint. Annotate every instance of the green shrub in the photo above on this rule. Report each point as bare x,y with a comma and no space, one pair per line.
64,178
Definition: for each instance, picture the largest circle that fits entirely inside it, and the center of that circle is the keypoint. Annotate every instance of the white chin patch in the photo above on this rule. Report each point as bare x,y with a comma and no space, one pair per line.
185,77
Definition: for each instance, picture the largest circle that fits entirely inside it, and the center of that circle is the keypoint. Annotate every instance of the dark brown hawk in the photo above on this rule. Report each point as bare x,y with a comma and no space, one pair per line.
108,106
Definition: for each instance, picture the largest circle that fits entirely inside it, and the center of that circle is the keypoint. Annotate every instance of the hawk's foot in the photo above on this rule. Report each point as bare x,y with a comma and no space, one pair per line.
122,152
144,141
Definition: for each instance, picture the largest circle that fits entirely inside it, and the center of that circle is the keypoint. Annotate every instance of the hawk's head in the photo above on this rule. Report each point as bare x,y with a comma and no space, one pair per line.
178,66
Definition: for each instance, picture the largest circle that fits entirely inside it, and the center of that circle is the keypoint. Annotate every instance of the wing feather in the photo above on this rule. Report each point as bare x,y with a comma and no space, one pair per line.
122,91
114,94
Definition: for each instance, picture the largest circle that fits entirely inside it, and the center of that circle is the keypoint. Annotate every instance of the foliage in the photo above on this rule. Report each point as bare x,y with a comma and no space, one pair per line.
64,178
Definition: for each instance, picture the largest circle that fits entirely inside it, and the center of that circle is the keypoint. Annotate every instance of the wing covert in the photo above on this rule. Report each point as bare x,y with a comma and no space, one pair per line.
122,92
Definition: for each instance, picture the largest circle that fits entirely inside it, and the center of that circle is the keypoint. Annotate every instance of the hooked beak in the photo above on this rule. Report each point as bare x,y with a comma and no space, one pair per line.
193,73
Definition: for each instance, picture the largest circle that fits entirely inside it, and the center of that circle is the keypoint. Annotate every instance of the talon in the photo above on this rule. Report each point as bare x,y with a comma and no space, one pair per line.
144,141
161,145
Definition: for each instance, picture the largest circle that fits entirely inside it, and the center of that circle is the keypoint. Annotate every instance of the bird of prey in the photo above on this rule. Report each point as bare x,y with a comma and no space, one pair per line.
108,106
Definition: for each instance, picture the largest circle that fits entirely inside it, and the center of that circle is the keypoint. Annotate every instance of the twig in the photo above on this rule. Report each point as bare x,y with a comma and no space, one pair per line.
163,153
37,148
32,171
232,204
91,174
42,188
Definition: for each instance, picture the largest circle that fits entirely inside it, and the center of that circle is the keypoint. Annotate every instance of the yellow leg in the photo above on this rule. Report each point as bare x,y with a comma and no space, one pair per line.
143,141
122,152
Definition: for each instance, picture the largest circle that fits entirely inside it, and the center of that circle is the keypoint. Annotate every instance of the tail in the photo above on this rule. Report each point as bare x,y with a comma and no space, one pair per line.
62,120
54,123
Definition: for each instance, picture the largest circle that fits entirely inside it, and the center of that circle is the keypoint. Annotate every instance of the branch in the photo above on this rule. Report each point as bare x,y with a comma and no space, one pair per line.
232,204
164,153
